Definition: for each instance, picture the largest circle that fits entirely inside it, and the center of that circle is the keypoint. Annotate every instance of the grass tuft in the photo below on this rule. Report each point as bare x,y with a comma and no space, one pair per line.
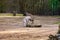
9,14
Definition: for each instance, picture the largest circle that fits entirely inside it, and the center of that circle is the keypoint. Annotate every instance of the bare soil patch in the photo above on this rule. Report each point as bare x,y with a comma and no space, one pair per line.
11,28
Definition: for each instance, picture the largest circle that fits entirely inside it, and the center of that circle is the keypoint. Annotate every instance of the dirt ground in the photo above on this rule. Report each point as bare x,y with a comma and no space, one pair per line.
11,28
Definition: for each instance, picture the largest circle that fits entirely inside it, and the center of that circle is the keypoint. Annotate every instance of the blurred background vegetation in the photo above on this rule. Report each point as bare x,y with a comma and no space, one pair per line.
36,7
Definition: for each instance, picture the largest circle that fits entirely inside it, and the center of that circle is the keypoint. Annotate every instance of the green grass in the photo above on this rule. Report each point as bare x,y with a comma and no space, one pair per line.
57,22
9,14
19,14
57,16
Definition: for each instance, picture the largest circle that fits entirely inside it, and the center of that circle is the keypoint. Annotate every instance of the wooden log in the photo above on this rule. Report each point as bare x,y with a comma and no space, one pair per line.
34,26
59,30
